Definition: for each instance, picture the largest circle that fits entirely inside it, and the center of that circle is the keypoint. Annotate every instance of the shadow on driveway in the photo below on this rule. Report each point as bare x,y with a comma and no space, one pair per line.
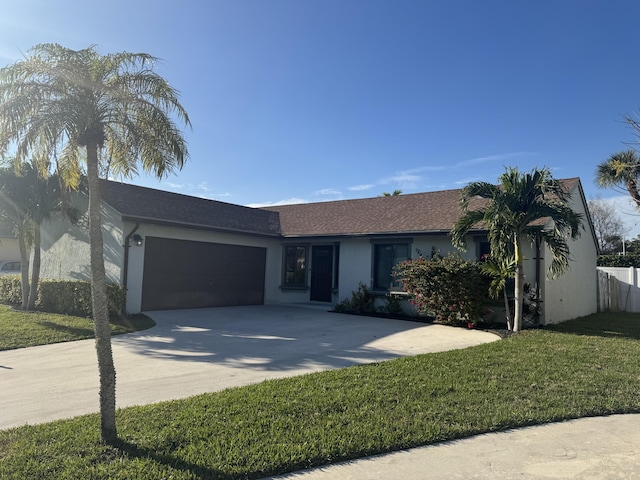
190,352
281,338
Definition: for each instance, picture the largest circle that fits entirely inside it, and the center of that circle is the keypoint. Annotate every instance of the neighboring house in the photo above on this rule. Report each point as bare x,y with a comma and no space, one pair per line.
175,251
9,249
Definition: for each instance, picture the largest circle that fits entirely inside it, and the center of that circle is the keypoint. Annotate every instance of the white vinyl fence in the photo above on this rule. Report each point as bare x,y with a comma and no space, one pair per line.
618,289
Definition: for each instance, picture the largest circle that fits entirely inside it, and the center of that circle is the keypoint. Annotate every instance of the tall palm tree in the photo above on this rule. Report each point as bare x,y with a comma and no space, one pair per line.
118,112
531,205
621,169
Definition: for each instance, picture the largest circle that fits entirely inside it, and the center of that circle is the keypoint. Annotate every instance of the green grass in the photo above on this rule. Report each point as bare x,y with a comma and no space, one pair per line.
586,367
19,329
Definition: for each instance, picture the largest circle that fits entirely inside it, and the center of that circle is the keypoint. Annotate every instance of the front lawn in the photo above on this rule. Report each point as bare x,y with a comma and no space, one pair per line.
20,329
586,367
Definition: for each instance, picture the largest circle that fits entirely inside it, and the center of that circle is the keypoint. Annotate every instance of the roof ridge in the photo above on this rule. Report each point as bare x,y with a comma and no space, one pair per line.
167,192
403,195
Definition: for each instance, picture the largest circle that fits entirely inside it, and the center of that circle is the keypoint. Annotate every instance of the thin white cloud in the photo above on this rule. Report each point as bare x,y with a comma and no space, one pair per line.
400,179
468,180
409,179
424,169
494,158
360,188
288,201
174,185
328,191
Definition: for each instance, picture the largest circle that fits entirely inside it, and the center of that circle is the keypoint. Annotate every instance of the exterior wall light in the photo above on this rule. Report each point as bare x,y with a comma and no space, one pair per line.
137,240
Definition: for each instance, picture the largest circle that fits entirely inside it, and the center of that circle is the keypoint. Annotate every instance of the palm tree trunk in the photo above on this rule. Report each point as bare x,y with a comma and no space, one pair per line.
106,367
507,309
24,264
35,268
632,188
519,288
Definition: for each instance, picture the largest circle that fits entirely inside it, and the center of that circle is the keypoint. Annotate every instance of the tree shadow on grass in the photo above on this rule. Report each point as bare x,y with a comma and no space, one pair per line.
132,450
608,325
79,332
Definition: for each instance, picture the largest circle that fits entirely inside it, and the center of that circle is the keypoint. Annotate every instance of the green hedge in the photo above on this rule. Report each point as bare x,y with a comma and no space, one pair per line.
619,261
11,289
69,297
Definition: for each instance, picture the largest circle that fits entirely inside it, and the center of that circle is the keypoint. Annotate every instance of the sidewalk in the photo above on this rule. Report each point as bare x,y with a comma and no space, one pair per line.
590,448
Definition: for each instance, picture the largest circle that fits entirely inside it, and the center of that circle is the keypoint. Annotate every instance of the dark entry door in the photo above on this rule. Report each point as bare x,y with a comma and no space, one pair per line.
188,274
321,273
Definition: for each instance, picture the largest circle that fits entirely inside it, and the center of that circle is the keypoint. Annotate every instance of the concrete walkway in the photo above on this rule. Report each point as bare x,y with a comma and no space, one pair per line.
205,350
596,448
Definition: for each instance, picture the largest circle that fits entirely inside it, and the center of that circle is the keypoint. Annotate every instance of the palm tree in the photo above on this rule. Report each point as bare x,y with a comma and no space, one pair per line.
621,169
531,205
27,199
500,270
14,196
116,111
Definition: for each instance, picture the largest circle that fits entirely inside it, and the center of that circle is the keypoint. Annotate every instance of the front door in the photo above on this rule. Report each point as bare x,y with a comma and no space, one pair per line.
321,273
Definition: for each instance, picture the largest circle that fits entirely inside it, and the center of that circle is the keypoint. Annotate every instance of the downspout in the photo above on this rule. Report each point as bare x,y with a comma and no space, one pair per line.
538,275
127,246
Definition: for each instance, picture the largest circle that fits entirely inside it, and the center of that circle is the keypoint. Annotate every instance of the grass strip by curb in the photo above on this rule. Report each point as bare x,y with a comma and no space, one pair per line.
583,368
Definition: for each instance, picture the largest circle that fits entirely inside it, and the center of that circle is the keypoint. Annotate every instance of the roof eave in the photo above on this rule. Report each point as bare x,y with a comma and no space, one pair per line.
412,233
195,226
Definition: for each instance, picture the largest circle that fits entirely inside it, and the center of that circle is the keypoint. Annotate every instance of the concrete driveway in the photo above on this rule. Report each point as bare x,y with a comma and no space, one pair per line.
195,351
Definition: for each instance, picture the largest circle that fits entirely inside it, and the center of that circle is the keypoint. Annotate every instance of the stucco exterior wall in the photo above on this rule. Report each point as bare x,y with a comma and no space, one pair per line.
65,247
574,294
356,258
355,266
136,256
9,249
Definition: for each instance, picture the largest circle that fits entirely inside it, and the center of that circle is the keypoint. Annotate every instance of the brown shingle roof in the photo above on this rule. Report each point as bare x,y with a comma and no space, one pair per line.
419,212
430,212
157,206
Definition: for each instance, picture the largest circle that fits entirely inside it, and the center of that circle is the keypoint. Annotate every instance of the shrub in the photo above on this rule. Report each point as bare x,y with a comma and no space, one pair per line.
74,297
11,289
361,301
69,297
619,261
393,304
450,288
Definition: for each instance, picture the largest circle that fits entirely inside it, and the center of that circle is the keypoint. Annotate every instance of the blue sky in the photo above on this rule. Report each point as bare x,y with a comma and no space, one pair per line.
301,100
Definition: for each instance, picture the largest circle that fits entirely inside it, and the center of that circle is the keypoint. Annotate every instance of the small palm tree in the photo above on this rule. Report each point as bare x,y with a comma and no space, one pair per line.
500,270
622,170
512,212
112,111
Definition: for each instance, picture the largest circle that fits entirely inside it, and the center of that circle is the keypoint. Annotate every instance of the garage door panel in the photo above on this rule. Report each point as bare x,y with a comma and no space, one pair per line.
187,274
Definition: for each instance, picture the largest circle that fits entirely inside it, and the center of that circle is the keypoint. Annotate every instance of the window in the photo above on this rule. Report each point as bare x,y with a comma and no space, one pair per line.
295,263
385,257
484,249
